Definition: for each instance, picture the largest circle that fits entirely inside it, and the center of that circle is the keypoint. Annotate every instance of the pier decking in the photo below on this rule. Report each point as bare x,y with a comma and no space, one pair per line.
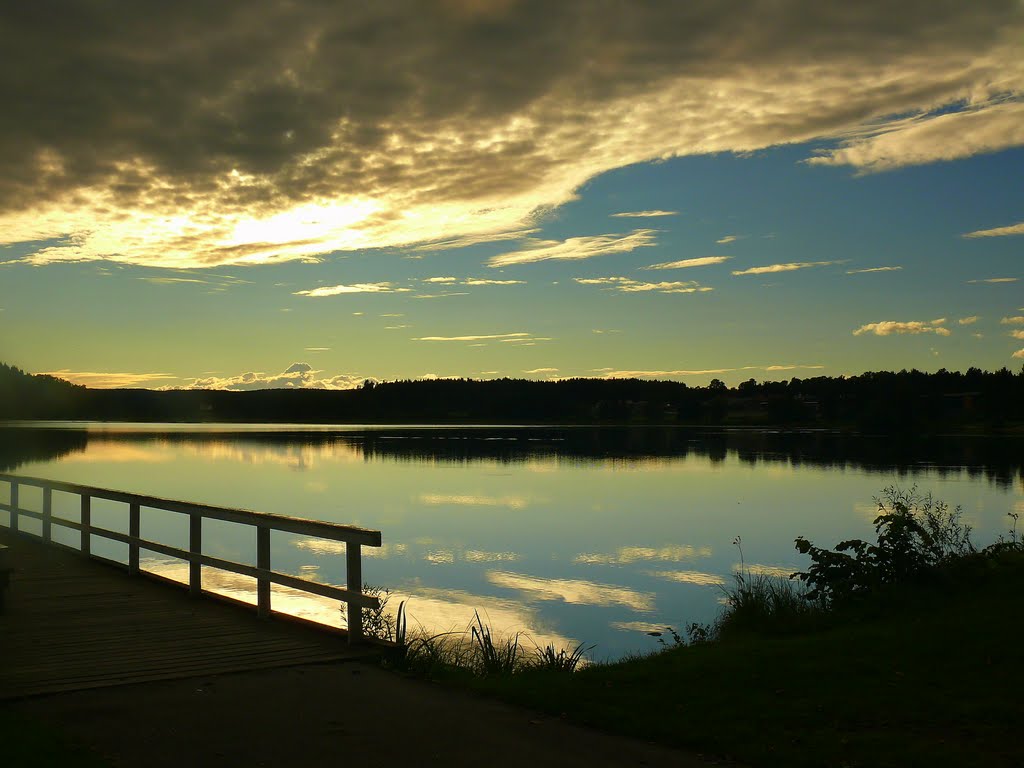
71,623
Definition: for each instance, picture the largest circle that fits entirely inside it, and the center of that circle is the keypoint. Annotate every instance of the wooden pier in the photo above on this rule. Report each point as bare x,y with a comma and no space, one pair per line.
73,621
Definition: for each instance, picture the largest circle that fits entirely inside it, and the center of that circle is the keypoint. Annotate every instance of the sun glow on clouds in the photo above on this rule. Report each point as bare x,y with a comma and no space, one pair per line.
872,269
336,290
1013,229
702,261
609,373
644,214
478,337
986,127
281,152
576,248
789,267
628,285
296,376
912,327
107,380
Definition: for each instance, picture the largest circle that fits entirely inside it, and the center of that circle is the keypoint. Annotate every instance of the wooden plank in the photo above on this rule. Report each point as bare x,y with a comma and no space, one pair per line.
354,582
85,543
73,623
263,570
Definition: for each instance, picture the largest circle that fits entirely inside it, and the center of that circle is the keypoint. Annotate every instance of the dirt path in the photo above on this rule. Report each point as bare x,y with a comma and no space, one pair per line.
326,714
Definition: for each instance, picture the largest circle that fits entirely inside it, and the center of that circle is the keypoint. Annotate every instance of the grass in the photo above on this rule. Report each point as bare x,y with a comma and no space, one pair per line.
924,669
938,685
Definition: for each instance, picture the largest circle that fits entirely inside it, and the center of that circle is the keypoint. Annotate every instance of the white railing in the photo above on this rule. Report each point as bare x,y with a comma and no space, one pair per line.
354,538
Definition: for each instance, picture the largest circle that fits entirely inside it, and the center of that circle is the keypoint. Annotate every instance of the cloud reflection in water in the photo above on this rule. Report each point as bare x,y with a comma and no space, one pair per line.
575,591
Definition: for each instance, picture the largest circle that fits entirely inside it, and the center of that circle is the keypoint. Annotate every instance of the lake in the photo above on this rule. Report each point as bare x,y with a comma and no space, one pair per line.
574,534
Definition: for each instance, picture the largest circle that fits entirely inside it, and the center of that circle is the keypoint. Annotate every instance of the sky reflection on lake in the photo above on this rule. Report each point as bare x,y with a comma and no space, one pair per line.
566,544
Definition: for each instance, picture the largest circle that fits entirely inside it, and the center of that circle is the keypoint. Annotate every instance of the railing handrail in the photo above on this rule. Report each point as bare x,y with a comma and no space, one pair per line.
264,522
285,523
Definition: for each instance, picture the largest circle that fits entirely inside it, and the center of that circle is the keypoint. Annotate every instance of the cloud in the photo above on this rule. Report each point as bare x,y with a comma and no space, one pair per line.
628,285
505,336
790,267
440,295
440,280
1018,354
576,248
1013,229
968,320
295,376
542,370
996,280
1018,320
1017,334
108,380
212,133
644,214
913,327
985,127
702,261
872,269
471,240
482,281
727,239
169,280
337,290
610,373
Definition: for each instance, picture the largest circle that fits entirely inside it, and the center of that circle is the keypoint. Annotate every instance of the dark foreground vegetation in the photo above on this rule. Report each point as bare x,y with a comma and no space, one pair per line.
904,651
908,401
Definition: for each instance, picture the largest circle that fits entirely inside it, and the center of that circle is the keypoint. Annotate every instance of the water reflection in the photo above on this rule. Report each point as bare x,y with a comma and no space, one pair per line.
573,591
629,555
997,459
639,449
430,609
597,535
690,577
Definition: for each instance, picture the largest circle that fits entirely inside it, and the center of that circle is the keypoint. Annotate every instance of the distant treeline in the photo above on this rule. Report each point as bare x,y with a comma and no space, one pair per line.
882,402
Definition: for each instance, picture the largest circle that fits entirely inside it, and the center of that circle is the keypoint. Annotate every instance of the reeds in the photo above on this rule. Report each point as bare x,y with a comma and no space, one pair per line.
478,651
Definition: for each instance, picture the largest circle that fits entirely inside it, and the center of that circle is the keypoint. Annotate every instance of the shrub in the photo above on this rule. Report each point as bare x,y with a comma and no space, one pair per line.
916,534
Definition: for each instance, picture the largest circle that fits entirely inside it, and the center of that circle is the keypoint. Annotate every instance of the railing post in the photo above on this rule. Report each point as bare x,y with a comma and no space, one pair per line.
134,527
263,563
195,548
14,507
86,519
47,513
354,583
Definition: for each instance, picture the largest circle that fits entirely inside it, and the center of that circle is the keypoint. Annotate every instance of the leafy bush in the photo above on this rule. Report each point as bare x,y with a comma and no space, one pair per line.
379,623
916,534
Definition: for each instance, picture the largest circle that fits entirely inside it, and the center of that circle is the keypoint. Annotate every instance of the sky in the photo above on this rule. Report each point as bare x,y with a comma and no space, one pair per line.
268,194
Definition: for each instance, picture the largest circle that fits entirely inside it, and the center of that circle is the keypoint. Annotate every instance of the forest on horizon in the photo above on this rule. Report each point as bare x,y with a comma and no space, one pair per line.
880,402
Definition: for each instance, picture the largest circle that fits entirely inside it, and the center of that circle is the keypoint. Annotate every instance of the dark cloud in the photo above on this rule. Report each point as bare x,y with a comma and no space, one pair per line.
153,105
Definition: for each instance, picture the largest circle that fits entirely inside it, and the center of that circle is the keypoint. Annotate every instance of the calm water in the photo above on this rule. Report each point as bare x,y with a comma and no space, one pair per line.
568,535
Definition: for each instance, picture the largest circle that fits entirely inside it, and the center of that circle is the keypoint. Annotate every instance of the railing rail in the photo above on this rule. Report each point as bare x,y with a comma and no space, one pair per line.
354,538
